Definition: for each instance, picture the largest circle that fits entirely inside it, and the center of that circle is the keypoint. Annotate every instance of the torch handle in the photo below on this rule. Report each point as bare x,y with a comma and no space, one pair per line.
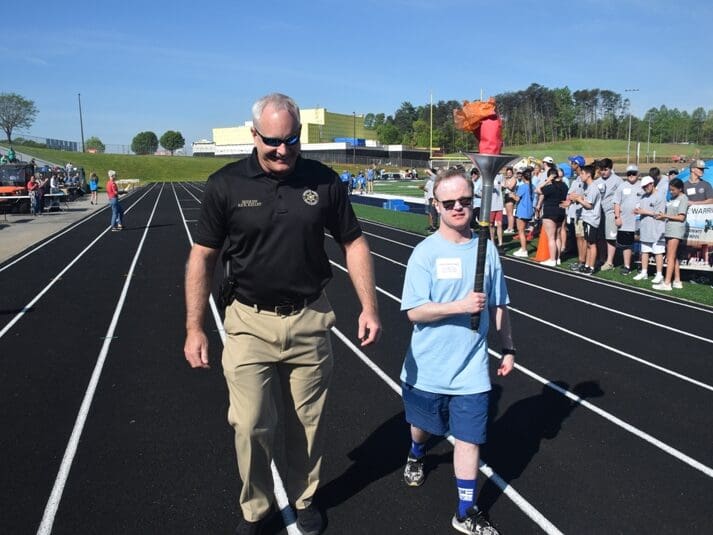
483,236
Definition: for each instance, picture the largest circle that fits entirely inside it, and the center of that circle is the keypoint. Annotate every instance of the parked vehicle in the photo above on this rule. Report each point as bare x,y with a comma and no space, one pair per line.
13,183
391,176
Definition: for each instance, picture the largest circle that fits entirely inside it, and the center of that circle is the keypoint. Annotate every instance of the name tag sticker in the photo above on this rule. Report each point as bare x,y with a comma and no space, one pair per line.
675,203
449,268
691,191
626,191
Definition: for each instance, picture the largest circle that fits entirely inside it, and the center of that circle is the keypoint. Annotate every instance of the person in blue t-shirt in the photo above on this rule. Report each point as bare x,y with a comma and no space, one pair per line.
345,177
524,209
445,377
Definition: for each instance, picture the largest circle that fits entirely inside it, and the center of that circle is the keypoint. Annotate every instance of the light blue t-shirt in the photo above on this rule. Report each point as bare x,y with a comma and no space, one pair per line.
446,356
524,209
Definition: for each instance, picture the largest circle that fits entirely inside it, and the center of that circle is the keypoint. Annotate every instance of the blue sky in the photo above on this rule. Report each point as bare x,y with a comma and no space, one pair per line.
192,66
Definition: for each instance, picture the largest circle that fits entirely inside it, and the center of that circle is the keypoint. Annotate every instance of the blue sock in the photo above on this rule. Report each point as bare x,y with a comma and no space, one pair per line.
466,495
417,450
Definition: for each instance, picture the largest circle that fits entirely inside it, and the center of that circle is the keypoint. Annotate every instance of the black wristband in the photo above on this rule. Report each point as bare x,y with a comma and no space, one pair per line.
508,351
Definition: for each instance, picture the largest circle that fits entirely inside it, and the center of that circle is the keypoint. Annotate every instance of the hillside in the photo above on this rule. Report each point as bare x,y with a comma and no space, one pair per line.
170,168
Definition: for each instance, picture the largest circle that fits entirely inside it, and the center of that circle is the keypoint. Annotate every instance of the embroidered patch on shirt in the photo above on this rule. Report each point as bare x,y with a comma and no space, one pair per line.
249,203
310,197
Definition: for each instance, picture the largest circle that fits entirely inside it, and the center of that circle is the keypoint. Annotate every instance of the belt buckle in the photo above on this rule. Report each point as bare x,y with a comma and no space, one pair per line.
285,310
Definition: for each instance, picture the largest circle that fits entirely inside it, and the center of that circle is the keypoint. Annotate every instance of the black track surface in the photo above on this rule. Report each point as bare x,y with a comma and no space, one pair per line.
156,452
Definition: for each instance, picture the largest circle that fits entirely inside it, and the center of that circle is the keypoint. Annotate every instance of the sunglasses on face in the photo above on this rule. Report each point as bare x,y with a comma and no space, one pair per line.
463,201
276,141
631,173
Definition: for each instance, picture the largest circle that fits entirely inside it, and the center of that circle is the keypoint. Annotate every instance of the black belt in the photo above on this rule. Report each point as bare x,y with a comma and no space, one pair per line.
285,309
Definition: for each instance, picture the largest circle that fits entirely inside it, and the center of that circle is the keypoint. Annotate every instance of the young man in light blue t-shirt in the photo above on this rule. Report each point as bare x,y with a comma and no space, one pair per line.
445,378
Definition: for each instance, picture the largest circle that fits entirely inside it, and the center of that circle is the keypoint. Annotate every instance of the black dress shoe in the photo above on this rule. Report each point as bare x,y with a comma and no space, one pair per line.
250,528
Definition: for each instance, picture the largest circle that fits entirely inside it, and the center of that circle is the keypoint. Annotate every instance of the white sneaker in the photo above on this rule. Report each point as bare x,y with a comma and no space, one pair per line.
663,286
508,231
658,279
559,262
521,253
677,284
549,263
642,276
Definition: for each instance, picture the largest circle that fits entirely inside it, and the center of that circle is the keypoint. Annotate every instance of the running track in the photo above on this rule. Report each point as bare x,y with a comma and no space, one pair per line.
604,427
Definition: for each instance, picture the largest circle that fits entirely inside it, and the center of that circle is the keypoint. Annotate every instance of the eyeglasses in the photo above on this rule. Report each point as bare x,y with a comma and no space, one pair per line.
463,201
276,141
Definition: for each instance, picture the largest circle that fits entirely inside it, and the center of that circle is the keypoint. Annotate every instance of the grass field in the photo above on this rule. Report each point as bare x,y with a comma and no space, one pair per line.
699,293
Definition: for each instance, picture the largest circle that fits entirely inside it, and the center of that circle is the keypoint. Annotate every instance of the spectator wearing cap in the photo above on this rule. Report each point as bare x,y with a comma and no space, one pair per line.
591,202
696,188
699,191
651,230
675,218
626,199
574,211
608,183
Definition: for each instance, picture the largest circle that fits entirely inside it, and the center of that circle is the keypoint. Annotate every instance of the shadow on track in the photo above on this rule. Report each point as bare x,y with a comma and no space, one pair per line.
381,454
514,438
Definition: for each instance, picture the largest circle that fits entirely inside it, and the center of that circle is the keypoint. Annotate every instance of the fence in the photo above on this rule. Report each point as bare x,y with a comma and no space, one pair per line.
67,145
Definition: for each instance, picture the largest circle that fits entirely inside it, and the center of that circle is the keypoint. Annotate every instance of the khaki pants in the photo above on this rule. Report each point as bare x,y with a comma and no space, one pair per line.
277,365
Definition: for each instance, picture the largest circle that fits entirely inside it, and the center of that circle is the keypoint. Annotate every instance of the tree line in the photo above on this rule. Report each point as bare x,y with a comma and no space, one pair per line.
543,115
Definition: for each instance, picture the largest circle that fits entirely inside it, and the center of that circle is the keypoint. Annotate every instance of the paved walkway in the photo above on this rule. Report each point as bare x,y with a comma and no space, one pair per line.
20,231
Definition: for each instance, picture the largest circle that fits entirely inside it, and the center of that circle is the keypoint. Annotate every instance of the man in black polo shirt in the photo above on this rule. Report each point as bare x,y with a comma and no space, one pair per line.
273,208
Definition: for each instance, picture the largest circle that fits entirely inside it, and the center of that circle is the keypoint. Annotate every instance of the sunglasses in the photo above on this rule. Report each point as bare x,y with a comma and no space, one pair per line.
276,141
631,173
463,201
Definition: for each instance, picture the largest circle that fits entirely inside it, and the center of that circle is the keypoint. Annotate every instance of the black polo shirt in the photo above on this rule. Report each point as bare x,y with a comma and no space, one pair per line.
275,227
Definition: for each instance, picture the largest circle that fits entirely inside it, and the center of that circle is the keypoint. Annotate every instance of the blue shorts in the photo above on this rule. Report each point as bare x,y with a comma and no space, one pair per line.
463,416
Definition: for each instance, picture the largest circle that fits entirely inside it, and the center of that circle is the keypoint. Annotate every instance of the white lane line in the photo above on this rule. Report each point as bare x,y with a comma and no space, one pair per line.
612,310
621,287
71,450
577,335
57,277
617,351
53,238
640,291
288,515
678,454
525,506
626,426
388,227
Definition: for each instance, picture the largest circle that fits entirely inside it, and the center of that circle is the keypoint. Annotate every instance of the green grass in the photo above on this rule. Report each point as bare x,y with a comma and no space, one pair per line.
614,149
403,220
145,168
698,293
407,188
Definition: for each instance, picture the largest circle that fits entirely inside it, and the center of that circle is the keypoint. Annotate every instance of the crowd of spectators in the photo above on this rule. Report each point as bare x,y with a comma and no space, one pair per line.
594,214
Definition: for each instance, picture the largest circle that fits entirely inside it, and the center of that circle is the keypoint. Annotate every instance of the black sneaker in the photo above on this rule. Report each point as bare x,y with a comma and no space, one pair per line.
310,521
584,270
625,270
413,472
474,523
574,266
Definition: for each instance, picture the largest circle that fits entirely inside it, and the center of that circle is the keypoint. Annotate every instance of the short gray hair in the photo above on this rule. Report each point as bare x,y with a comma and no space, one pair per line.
277,101
112,173
447,174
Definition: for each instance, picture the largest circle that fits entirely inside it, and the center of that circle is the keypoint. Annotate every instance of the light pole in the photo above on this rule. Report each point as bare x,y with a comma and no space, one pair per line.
81,124
354,139
628,143
648,140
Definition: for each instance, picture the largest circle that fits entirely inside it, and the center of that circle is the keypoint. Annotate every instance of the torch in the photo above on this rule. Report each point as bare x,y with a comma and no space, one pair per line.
481,119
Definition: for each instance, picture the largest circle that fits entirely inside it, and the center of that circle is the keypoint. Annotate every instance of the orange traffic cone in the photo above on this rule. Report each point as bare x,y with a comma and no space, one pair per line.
543,248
